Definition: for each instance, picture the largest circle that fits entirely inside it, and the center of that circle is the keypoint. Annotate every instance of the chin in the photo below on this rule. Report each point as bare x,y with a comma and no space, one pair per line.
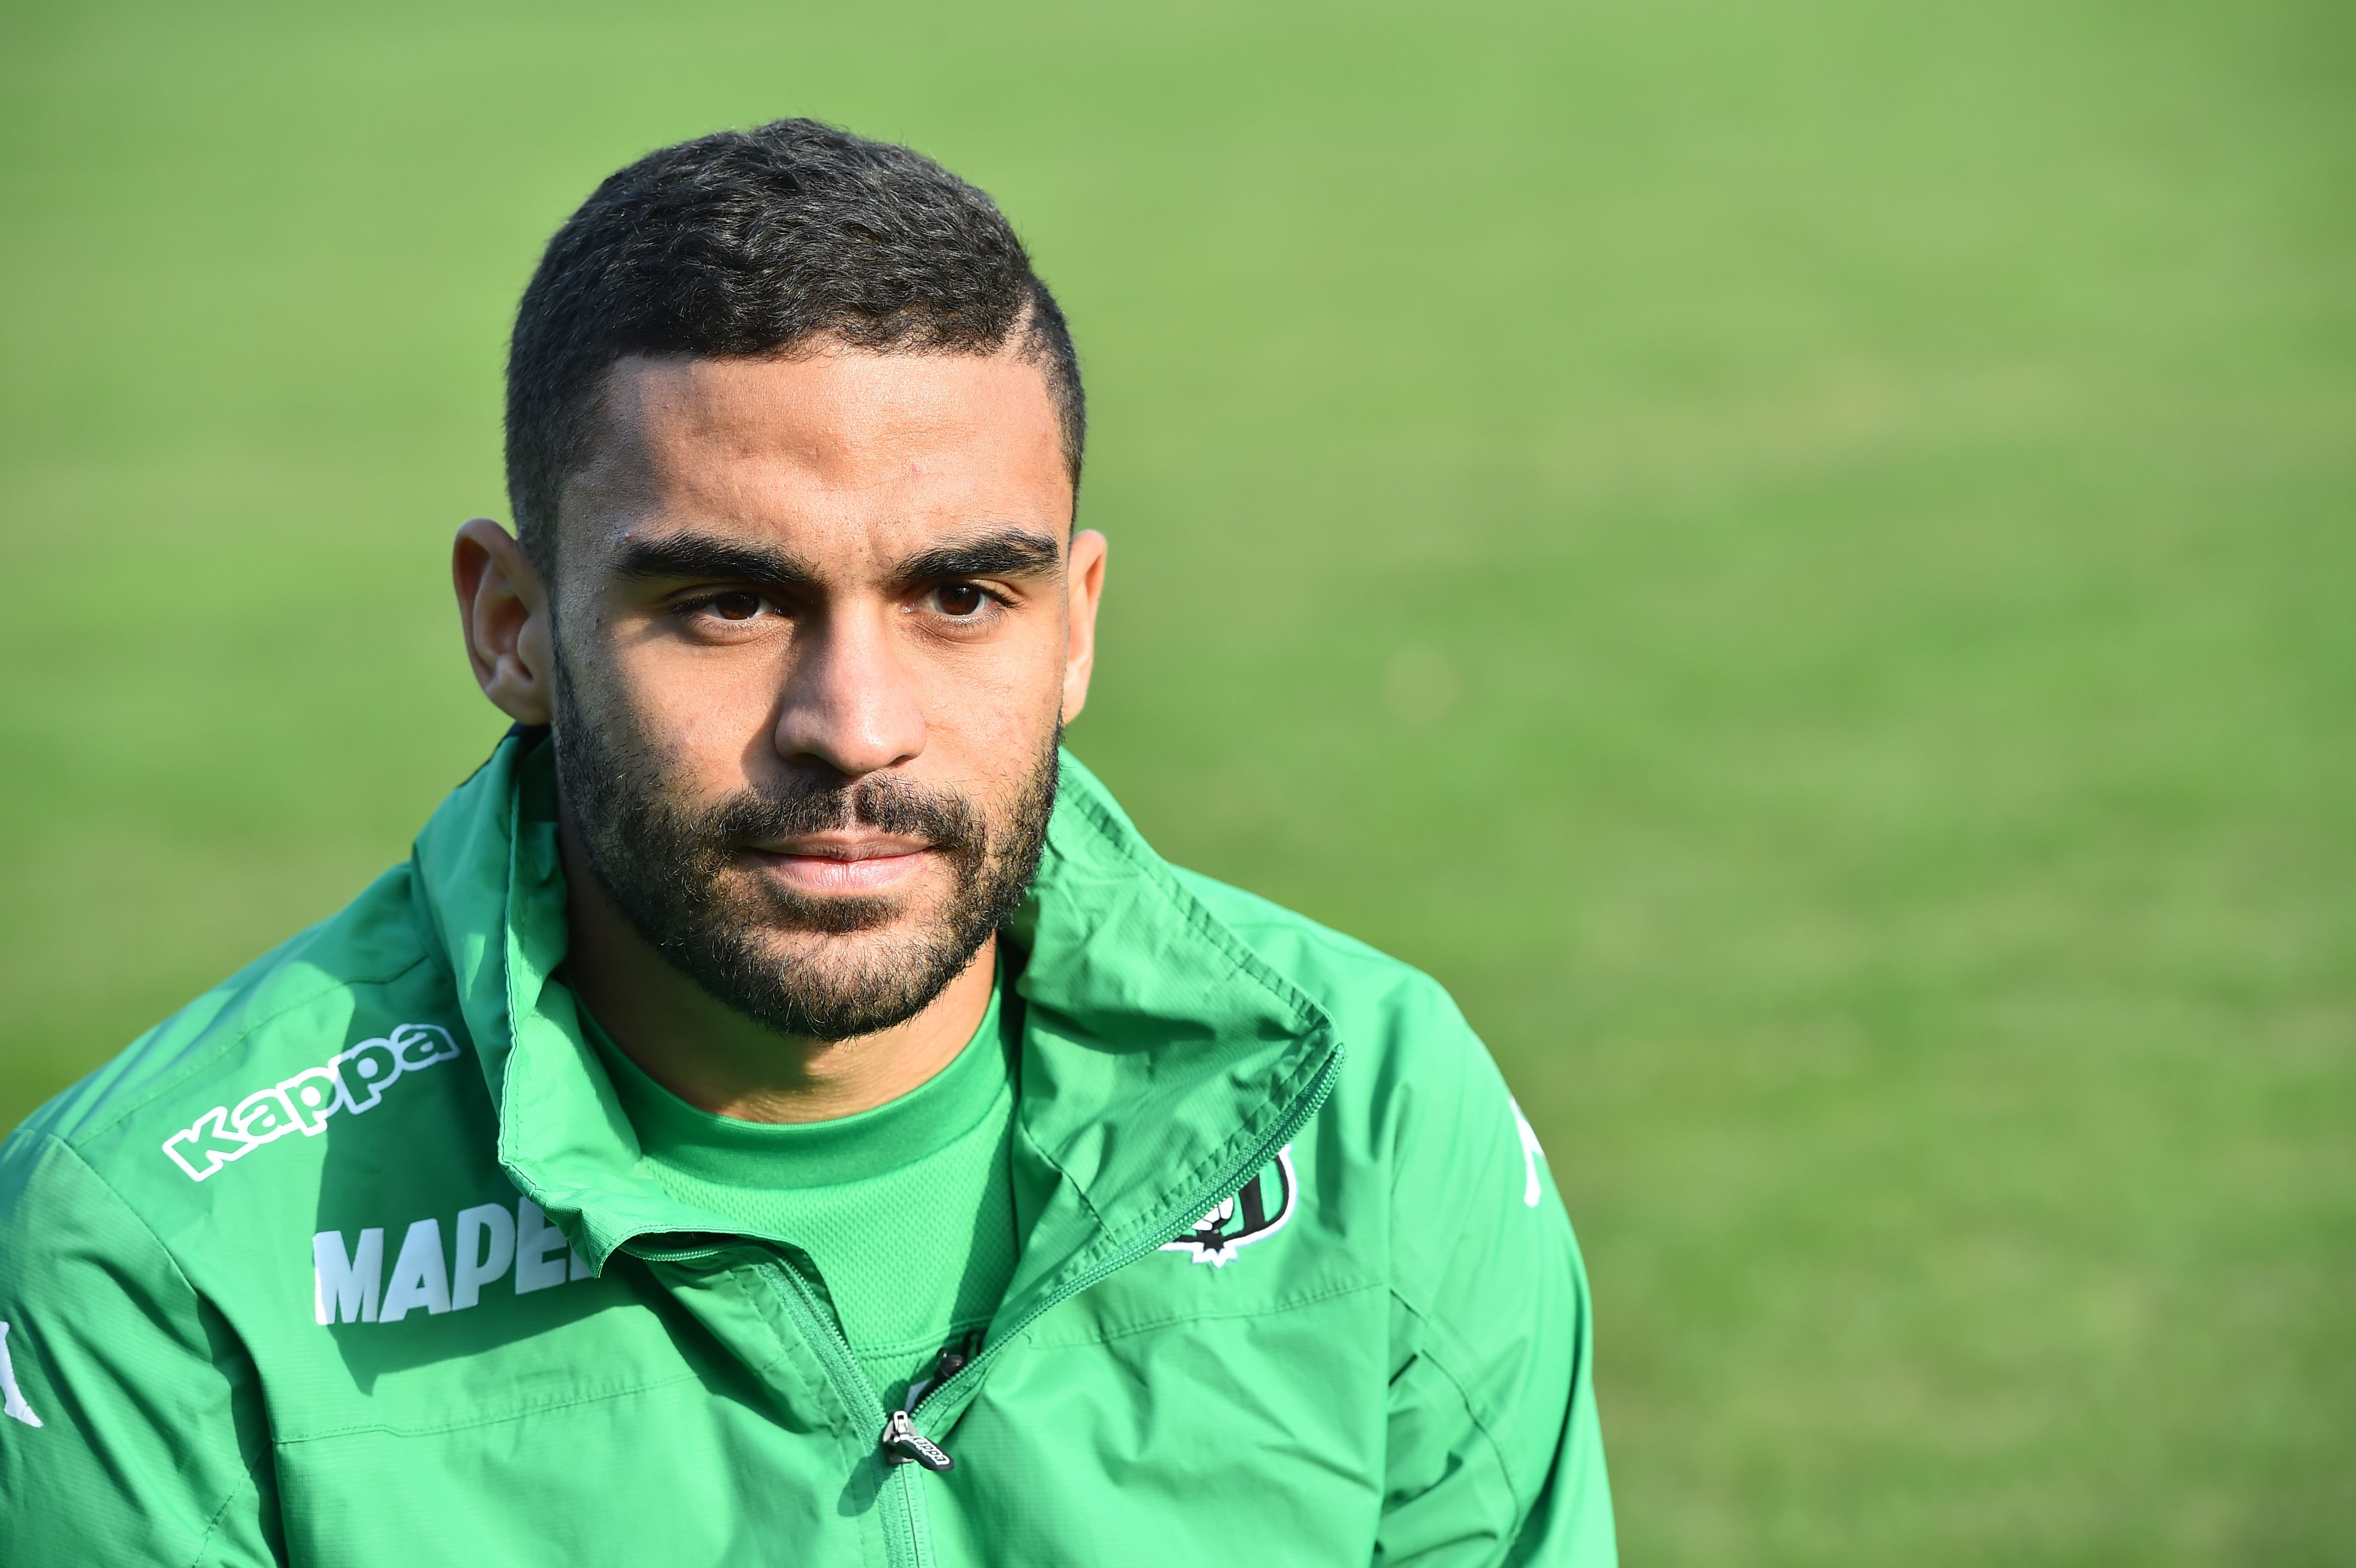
859,939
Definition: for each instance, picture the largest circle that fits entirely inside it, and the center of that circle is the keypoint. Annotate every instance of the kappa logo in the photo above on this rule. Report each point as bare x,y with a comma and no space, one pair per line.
12,1399
1532,1189
1259,1210
352,1082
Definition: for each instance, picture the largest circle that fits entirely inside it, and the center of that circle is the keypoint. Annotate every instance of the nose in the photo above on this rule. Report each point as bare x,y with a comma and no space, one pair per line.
849,704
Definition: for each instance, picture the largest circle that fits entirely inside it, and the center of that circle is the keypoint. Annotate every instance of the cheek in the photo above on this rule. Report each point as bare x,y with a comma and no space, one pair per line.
993,724
710,722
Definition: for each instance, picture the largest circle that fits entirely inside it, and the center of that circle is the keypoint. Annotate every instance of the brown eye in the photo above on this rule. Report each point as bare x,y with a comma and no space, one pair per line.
736,606
961,600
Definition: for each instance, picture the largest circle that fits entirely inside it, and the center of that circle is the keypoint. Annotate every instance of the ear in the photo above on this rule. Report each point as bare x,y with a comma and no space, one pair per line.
1083,572
503,611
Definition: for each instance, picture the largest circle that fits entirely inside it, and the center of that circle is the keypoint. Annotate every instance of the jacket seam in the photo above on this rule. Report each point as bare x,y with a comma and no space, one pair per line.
926,1341
1304,1073
212,1525
1079,1192
1471,1410
429,937
1147,1326
1333,943
108,1186
771,1283
245,1480
1110,1241
848,1440
392,1430
1309,1019
1244,958
1281,921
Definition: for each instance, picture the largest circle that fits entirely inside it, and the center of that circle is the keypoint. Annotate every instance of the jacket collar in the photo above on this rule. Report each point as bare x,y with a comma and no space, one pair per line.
1159,1050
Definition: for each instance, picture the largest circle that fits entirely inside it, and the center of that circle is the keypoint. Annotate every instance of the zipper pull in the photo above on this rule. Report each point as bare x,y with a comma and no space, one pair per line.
901,1442
951,1360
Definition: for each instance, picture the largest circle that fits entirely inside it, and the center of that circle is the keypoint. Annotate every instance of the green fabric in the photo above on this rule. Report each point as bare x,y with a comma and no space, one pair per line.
907,1211
356,1261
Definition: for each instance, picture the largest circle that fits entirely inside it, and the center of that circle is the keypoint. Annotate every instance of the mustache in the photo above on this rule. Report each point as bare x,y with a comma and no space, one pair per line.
882,802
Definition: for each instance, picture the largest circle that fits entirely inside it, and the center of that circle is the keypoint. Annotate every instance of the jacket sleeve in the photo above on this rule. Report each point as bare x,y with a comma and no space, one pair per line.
1493,1455
131,1428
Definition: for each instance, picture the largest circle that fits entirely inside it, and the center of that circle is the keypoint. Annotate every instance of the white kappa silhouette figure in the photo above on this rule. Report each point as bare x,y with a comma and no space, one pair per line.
1531,1155
12,1398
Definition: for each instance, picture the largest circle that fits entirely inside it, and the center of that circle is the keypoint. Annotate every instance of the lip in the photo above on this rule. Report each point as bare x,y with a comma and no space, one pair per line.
844,866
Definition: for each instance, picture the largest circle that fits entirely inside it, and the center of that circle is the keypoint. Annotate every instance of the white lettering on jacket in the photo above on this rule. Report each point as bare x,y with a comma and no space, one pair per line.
1532,1191
348,1283
350,1081
12,1399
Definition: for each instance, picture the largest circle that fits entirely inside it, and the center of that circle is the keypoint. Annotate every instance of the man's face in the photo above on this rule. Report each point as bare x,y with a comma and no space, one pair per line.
817,625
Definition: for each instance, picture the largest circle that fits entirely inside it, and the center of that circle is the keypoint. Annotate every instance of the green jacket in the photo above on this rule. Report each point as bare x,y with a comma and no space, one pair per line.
353,1261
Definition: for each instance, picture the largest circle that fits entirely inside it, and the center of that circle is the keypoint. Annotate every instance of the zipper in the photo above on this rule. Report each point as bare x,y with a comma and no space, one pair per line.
851,1386
901,1442
895,1428
953,1356
896,1435
1230,1177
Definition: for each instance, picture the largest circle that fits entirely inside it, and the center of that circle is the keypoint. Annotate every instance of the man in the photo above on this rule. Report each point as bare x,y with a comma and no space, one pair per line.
783,1112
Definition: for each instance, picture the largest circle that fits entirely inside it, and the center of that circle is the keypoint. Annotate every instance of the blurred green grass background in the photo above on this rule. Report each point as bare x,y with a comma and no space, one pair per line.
1797,557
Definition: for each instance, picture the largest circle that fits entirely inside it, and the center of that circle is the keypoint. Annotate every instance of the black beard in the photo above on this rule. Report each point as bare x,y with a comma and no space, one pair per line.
664,867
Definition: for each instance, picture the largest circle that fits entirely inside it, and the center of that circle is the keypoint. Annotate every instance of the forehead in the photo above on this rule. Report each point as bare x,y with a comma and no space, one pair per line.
830,451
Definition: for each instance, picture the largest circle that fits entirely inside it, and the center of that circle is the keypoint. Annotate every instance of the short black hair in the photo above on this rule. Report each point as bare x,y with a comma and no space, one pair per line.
745,243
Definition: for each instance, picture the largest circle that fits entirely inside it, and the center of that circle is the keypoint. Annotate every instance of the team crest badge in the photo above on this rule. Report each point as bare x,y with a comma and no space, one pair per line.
1254,1214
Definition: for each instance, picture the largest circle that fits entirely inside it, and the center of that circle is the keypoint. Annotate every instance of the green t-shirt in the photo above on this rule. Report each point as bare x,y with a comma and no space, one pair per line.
907,1209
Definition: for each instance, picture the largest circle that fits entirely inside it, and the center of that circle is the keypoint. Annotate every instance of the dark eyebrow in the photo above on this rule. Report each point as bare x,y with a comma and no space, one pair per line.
681,557
1008,552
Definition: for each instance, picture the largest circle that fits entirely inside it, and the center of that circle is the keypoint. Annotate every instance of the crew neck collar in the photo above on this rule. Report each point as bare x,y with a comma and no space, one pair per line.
776,1155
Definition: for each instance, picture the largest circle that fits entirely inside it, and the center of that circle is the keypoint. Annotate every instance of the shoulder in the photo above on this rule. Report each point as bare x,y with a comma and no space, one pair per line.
1419,1093
1397,1022
1377,1001
320,1026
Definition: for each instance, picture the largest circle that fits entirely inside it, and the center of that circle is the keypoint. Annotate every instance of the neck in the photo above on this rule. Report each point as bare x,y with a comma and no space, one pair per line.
718,1059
